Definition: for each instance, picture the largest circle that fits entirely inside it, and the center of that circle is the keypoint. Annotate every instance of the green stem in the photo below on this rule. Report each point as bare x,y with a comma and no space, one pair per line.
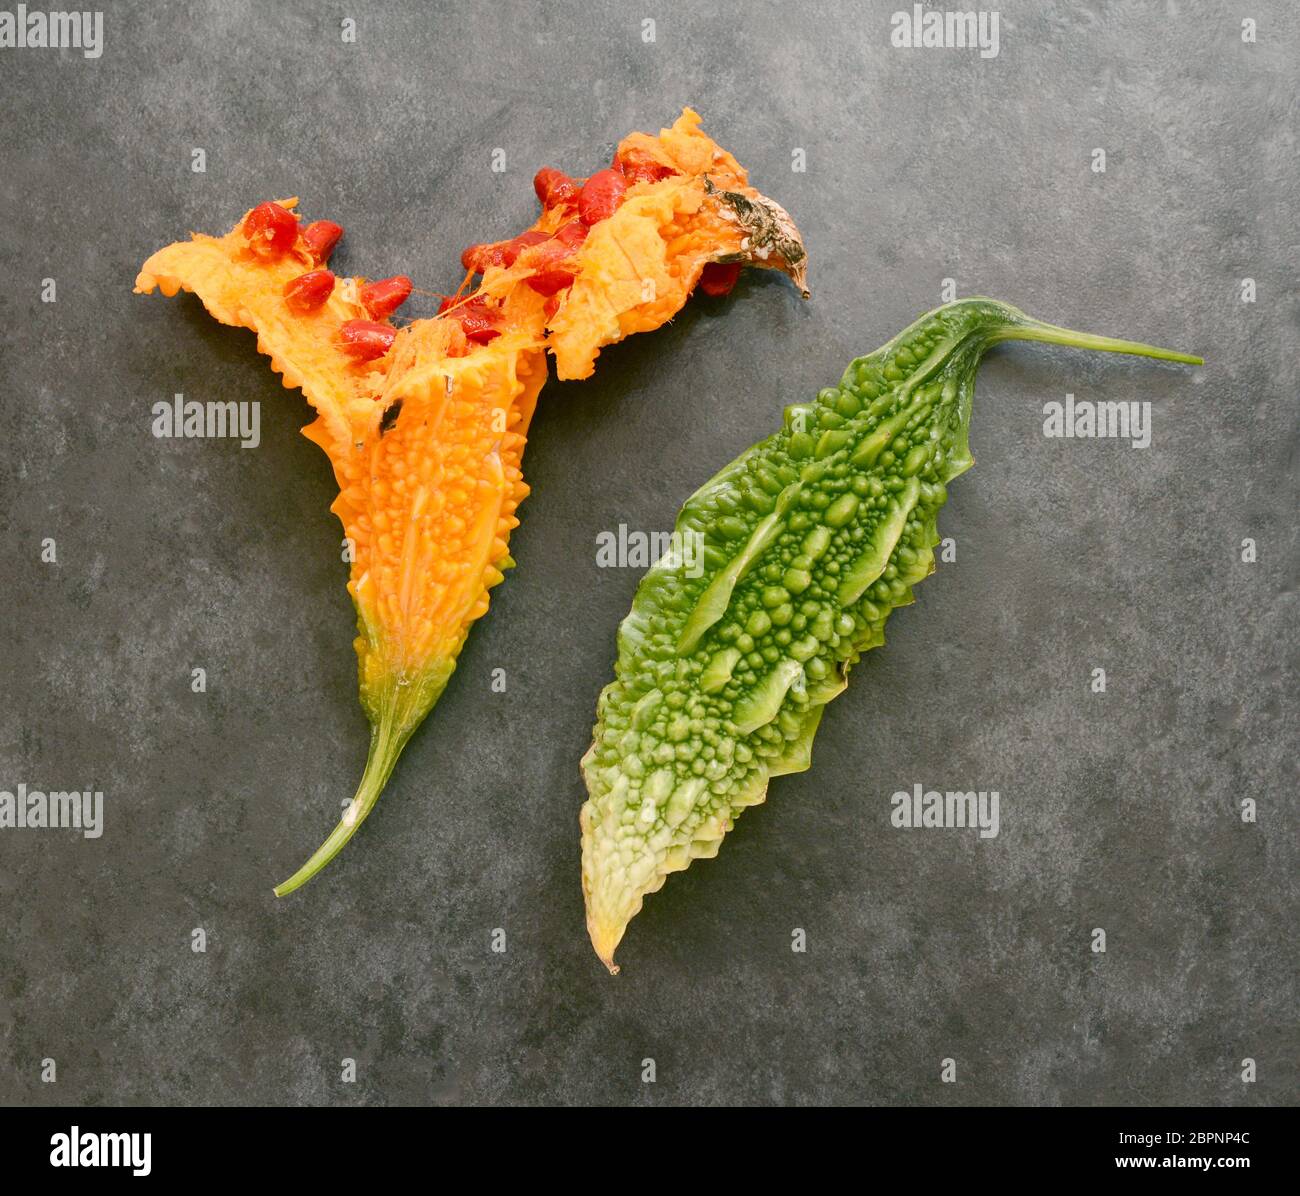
386,743
1036,331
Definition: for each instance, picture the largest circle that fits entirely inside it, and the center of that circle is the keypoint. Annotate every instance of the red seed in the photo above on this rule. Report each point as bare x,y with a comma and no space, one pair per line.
549,263
479,330
384,297
572,234
551,253
271,229
320,237
637,166
365,340
475,317
477,257
719,277
550,282
499,253
308,292
517,245
601,196
554,187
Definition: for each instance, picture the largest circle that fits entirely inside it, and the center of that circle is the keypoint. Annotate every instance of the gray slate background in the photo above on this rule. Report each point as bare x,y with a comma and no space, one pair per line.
1119,811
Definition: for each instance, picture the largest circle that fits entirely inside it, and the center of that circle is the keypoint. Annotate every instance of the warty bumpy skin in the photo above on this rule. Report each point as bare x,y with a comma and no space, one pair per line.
809,540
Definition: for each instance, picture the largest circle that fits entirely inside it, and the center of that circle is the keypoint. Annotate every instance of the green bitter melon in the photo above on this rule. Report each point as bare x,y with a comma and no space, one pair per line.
810,539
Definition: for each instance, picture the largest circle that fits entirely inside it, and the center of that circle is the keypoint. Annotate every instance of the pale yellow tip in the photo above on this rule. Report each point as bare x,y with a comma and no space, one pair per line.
605,939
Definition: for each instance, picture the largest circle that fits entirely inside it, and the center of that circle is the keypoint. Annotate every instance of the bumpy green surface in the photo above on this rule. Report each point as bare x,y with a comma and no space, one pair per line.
810,539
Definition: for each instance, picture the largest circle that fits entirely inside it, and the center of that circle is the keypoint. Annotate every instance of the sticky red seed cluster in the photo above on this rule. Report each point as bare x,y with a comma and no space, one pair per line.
550,257
273,230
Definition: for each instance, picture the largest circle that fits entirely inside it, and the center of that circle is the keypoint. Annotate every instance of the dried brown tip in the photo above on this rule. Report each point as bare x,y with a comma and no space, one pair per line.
771,238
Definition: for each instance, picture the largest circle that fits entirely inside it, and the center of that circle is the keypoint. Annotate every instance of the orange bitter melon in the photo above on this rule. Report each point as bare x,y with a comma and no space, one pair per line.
425,424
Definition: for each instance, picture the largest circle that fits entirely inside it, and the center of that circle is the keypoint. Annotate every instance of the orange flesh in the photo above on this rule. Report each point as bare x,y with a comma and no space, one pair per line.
429,502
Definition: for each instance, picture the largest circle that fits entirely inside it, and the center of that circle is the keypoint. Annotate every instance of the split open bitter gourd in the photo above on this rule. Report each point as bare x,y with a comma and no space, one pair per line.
425,424
809,540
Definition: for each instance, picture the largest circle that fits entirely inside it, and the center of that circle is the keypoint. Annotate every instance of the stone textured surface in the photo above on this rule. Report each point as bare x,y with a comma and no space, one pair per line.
1119,811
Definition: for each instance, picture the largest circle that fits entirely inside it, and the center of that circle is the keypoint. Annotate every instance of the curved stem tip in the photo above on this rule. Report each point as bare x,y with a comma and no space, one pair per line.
385,746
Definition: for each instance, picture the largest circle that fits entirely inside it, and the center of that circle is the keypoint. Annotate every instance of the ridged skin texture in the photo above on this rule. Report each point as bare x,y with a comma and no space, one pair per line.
427,441
810,539
427,498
